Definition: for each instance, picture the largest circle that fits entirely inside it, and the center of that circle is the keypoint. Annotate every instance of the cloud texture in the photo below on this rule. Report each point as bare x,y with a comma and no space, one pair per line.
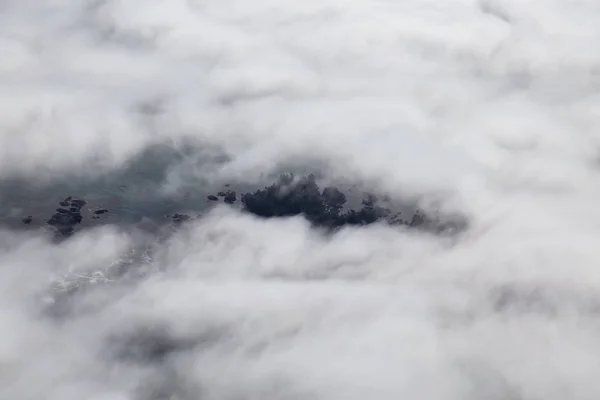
489,109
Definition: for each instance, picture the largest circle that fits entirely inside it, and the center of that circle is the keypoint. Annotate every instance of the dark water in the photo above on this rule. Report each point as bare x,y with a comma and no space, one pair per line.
136,196
131,194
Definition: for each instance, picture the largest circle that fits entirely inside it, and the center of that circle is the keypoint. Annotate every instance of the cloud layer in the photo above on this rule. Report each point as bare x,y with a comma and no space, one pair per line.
488,109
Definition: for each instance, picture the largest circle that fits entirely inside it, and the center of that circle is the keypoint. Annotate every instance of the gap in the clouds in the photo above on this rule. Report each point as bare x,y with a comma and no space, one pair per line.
150,203
176,182
133,200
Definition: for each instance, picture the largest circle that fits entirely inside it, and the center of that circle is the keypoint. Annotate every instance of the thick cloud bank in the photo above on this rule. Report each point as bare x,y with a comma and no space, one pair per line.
470,273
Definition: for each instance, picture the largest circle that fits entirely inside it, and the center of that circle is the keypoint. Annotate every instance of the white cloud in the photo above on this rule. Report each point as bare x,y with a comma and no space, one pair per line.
489,107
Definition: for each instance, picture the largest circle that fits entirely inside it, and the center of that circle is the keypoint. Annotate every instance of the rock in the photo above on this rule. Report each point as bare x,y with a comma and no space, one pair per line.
230,197
69,198
286,198
64,203
333,198
78,203
369,200
396,219
212,198
289,197
221,194
77,217
27,220
101,211
64,220
60,219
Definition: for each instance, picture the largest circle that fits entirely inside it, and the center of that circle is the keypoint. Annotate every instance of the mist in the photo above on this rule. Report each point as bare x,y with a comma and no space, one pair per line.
479,117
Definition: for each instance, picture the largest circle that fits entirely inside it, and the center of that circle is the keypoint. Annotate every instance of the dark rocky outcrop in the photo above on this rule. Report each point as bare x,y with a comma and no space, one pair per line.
230,197
290,197
333,199
64,221
212,197
77,202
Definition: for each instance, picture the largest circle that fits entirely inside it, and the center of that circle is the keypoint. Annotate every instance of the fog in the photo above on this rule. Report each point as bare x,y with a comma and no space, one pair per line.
487,111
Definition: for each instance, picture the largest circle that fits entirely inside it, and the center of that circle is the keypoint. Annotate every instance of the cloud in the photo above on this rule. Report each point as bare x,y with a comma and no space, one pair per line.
484,109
